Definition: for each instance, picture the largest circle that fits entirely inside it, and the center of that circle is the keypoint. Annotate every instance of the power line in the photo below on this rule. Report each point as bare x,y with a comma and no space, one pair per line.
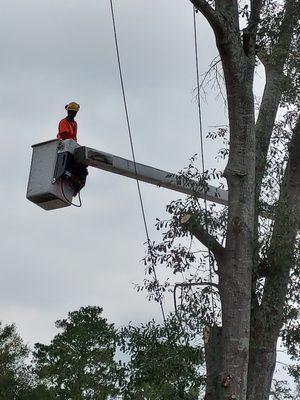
133,153
198,92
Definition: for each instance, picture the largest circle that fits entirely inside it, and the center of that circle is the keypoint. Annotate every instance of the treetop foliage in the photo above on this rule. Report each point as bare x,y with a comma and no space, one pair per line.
13,370
79,362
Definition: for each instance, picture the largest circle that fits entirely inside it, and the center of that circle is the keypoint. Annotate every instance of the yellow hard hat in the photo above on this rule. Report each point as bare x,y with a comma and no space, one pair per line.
72,106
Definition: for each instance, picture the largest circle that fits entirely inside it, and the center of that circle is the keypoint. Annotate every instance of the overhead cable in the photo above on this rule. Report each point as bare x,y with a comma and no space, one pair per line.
133,154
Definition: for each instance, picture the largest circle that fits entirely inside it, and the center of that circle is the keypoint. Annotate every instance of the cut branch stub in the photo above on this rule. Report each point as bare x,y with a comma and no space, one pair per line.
193,226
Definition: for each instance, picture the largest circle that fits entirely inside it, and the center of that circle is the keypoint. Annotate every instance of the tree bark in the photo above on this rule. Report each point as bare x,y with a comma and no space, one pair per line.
235,276
213,351
261,368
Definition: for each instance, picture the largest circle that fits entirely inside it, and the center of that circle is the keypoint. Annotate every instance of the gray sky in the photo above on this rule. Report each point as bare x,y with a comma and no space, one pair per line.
55,51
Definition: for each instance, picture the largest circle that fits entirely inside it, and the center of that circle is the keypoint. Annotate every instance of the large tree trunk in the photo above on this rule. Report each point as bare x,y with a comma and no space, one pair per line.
235,275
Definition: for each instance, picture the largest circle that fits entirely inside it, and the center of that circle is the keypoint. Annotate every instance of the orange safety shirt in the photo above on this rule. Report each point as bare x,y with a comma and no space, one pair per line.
67,130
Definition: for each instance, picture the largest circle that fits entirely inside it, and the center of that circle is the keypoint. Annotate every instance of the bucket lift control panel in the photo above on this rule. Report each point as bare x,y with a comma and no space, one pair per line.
55,176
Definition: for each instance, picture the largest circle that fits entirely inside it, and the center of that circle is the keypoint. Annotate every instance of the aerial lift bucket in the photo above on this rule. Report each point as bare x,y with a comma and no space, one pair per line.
55,177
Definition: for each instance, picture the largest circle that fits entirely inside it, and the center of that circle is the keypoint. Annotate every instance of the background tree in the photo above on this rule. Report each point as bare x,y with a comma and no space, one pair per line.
250,296
162,365
79,363
14,375
36,391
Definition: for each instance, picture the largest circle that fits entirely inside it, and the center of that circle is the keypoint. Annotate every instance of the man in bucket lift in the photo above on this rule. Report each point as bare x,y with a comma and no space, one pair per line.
67,128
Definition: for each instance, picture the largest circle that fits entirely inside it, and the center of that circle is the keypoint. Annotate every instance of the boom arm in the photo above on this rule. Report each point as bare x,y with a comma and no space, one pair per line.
122,166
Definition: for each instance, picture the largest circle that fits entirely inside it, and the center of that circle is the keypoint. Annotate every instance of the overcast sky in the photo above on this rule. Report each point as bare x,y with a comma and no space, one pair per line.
53,52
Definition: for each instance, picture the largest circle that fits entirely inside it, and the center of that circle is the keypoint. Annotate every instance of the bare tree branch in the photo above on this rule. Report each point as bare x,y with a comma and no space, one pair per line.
214,77
204,237
189,284
216,60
